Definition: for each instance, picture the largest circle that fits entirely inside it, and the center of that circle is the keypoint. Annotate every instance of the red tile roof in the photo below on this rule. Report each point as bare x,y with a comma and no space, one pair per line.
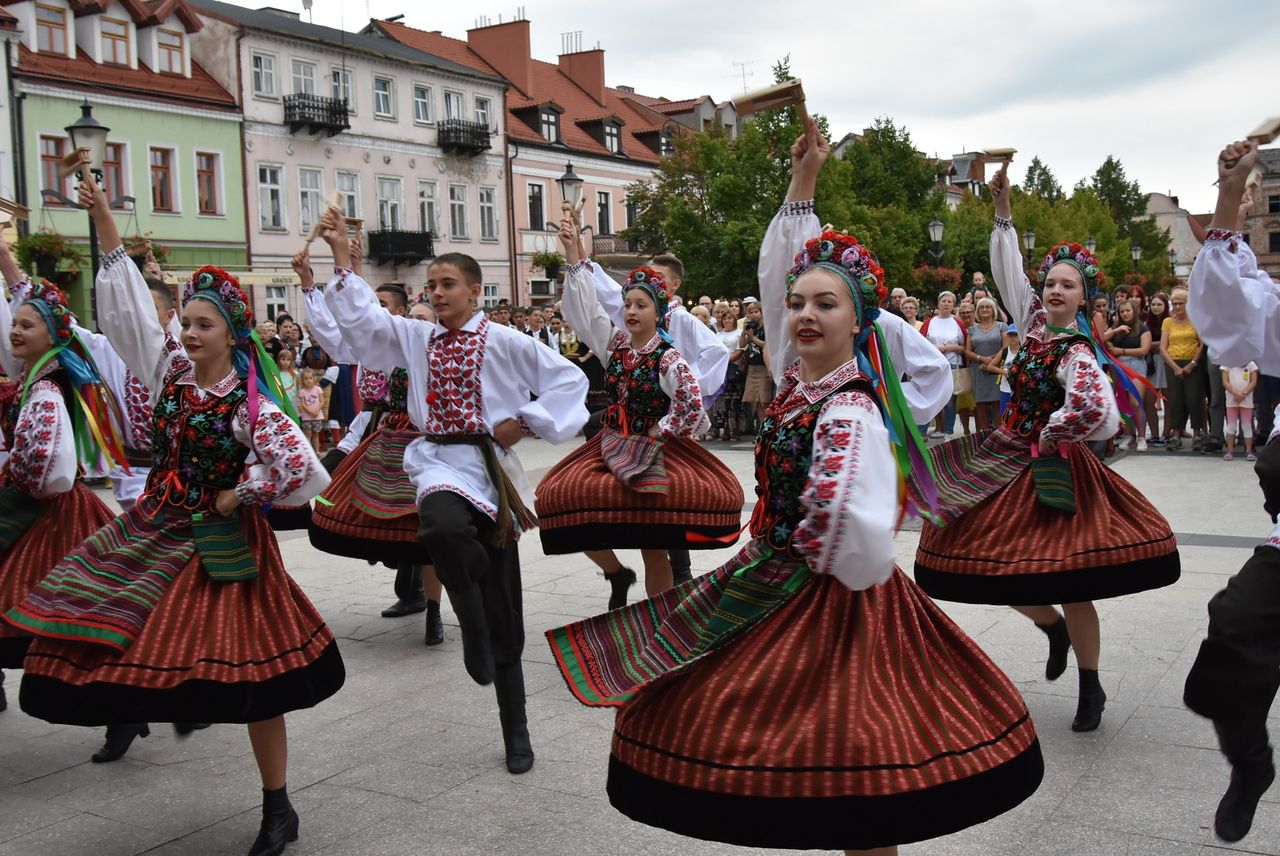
668,108
6,20
82,72
436,43
144,13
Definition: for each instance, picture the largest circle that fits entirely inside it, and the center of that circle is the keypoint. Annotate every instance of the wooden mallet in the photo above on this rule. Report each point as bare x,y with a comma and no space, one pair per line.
332,202
789,93
11,212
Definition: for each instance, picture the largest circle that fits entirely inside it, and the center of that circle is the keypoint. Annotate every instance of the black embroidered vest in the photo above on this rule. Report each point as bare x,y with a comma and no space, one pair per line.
636,390
195,454
1034,382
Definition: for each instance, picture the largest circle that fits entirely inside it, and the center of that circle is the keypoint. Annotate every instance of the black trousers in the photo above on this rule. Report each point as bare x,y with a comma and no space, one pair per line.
1265,399
457,535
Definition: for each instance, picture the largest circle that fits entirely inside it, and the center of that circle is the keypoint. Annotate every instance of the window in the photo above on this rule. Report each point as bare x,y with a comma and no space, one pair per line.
276,303
452,105
171,53
490,294
458,229
537,213
604,213
488,214
113,172
51,29
51,151
271,197
421,103
1273,203
1273,242
390,198
310,196
264,75
427,214
115,41
551,126
340,86
162,180
613,139
304,77
207,183
382,100
349,193
482,111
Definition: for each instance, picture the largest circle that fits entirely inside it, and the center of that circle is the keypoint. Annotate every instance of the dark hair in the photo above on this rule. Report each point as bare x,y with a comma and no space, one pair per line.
466,265
1155,322
398,290
157,286
668,260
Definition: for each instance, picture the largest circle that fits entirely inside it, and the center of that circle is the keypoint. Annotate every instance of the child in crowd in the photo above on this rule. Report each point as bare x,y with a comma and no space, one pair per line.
287,363
310,407
1010,351
1239,382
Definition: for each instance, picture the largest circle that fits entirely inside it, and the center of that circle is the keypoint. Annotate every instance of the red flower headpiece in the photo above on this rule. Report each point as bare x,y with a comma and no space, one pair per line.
51,302
223,290
843,254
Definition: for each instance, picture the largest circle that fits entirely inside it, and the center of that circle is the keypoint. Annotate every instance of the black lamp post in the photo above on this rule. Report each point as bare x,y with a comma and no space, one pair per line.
1090,244
571,199
1028,244
936,228
1173,262
88,133
1135,253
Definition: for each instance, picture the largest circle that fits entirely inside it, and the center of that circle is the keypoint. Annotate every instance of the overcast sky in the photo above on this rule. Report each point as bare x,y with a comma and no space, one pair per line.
1161,84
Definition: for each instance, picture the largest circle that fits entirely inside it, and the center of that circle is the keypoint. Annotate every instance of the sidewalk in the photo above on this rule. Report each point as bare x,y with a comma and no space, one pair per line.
407,759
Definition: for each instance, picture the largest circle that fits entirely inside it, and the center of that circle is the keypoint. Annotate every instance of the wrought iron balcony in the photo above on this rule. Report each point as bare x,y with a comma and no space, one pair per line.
465,137
316,113
612,245
400,246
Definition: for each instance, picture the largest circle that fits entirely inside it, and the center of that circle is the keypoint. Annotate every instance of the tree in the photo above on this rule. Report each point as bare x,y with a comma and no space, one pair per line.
1040,182
887,169
1124,198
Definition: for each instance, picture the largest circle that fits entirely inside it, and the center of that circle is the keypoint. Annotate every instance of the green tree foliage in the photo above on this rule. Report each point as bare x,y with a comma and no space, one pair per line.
1124,198
887,169
1040,181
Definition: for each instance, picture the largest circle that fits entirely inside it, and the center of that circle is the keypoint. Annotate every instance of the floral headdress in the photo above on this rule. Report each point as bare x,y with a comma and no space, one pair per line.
656,287
841,254
1080,259
51,302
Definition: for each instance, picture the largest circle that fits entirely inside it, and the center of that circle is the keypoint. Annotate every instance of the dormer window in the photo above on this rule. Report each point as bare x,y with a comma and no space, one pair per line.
115,41
171,49
51,29
550,121
613,138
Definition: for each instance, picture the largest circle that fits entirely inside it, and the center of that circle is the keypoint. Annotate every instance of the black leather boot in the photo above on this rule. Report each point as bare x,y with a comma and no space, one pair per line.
186,729
119,739
410,596
279,824
4,703
619,581
1252,772
509,685
435,627
1059,645
1092,701
681,565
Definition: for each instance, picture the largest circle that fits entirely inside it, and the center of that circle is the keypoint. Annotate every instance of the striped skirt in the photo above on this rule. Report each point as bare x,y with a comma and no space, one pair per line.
581,505
207,652
66,520
370,510
999,544
828,719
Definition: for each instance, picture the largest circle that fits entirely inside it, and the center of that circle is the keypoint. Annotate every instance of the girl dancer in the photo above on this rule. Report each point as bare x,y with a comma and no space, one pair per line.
181,609
1026,514
859,716
642,482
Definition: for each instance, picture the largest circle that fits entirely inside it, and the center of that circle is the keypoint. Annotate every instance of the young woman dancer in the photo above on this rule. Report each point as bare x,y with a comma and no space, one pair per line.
860,716
642,482
1064,529
181,609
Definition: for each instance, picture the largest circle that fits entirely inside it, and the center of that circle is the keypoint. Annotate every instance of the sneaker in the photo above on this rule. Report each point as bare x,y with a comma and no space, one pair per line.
1156,441
1142,444
1228,457
1174,444
1132,445
935,435
1251,457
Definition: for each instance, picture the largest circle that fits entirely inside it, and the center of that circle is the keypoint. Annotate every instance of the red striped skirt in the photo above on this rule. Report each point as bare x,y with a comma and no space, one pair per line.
840,720
581,505
1010,548
209,652
66,520
369,510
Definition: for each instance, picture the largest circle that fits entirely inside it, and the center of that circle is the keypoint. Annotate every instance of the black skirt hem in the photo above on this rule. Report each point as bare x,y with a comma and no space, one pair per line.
13,650
289,519
101,703
825,823
370,549
1036,589
635,536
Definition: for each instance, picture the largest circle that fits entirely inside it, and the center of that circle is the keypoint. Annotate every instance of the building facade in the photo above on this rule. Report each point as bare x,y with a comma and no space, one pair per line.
1262,229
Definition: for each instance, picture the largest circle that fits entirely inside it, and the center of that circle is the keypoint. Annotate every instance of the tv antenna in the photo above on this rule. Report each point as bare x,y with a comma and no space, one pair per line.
742,71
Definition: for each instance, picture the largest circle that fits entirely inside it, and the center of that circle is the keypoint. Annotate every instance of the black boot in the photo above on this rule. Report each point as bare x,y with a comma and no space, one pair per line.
279,824
619,581
186,729
681,565
119,739
1092,701
1059,645
410,596
4,703
435,627
515,728
477,653
1252,772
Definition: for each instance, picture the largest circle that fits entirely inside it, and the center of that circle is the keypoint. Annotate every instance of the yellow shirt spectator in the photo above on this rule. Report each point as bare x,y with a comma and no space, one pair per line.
1184,341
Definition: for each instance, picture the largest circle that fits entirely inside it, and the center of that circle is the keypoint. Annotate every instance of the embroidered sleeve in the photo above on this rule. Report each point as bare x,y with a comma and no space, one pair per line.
685,418
702,349
851,497
794,224
1234,306
1090,411
584,286
43,459
287,465
127,315
1015,289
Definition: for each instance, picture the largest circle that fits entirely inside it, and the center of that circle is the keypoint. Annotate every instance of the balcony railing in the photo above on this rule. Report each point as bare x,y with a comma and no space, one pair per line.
400,246
612,245
466,137
316,113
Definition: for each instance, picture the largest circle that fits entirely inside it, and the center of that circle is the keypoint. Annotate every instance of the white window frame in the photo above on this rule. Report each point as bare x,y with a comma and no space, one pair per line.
607,207
457,98
490,295
338,175
315,193
488,212
543,192
393,204
430,220
391,97
340,90
274,93
455,205
284,203
486,113
613,138
426,103
298,65
543,115
276,298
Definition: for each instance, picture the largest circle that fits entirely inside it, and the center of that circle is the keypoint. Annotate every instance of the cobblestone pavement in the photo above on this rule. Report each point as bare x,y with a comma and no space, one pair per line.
407,759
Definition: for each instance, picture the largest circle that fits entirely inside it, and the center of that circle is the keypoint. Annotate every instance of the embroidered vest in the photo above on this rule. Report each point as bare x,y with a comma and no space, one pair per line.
636,389
194,452
784,453
1036,391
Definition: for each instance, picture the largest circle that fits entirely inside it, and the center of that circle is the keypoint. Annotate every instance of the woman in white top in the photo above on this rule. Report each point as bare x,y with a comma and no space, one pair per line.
948,336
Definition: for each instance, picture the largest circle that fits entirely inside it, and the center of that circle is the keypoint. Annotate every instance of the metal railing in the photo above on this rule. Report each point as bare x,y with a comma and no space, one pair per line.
461,136
316,113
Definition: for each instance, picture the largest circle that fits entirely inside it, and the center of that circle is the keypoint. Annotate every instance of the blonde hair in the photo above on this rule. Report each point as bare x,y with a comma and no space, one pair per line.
700,312
912,301
1176,292
308,375
988,302
950,294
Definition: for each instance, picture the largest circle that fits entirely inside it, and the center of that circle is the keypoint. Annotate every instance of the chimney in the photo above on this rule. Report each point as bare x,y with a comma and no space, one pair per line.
506,48
630,90
586,68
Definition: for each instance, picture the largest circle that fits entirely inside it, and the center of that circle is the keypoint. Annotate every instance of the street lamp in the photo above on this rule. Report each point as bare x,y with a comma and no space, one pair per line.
936,228
570,191
1028,243
1173,262
88,133
1090,244
1135,253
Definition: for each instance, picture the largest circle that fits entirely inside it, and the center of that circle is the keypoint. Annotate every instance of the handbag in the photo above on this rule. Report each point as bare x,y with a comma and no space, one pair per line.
961,380
1052,479
220,543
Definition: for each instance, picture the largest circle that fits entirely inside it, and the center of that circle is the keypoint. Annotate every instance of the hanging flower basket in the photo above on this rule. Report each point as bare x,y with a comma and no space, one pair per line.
45,251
